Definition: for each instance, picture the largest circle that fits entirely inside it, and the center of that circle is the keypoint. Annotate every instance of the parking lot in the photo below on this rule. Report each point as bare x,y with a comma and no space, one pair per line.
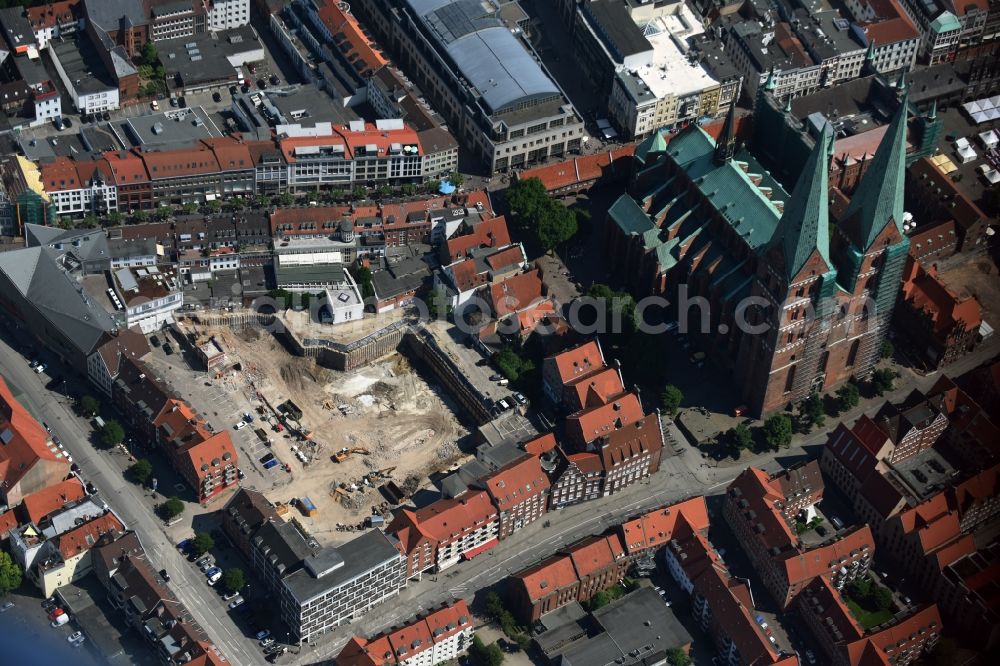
223,402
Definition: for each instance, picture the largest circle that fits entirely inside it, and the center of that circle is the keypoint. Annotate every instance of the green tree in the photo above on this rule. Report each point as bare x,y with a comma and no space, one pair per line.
489,655
861,587
437,303
408,189
141,470
10,574
285,200
778,431
848,396
171,508
338,194
618,305
202,543
511,365
383,191
600,599
114,218
363,277
264,201
190,207
888,349
671,399
883,380
112,434
432,186
811,411
139,216
145,71
162,213
149,54
214,206
555,225
456,179
233,580
739,438
89,405
881,597
89,222
678,657
526,197
359,192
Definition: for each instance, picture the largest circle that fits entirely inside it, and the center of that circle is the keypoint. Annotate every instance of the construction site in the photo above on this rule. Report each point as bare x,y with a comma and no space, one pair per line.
338,449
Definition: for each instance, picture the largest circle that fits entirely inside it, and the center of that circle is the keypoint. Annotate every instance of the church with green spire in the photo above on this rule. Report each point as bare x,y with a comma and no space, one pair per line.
799,298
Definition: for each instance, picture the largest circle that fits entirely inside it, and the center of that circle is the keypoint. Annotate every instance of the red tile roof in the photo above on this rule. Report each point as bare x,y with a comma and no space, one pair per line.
24,441
86,536
349,39
179,163
126,167
904,635
945,311
506,258
40,504
732,614
579,361
592,556
487,233
657,527
605,419
51,14
541,444
959,206
643,436
447,518
801,566
821,594
556,573
581,170
517,482
515,293
467,276
8,521
595,389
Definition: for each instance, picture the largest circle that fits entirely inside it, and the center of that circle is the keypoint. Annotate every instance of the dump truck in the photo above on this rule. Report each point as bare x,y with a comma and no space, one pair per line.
306,506
262,436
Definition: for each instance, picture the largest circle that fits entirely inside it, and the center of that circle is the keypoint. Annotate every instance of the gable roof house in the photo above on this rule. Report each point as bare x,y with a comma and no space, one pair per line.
29,463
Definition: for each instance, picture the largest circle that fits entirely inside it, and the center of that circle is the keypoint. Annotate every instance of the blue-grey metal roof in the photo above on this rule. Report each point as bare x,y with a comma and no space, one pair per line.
487,54
500,68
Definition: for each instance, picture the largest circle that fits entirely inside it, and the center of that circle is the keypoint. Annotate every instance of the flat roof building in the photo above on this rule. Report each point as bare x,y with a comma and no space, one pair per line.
482,76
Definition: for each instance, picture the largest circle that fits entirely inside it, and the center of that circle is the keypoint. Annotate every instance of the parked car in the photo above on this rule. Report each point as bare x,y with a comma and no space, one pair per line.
74,637
248,417
216,97
215,577
164,575
155,341
167,349
56,612
173,102
494,378
7,605
483,362
183,544
235,603
240,425
262,634
154,105
519,398
60,621
40,368
106,116
275,80
266,642
205,563
230,595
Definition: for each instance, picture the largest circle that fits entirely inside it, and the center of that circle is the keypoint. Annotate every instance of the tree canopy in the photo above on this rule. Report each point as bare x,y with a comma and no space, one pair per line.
671,399
811,412
883,380
10,574
547,219
89,405
848,396
171,508
778,431
112,434
202,543
141,471
233,580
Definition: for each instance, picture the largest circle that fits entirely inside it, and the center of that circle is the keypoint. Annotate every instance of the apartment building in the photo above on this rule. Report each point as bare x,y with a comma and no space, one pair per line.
320,588
577,477
440,534
55,551
54,20
887,32
440,635
753,509
772,50
577,573
845,643
520,493
484,79
228,14
571,367
967,595
29,462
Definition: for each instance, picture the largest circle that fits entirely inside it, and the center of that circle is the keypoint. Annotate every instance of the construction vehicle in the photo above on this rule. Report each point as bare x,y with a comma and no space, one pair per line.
345,453
338,494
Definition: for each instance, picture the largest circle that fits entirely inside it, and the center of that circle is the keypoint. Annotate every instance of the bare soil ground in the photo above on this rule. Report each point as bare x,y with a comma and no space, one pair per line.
387,408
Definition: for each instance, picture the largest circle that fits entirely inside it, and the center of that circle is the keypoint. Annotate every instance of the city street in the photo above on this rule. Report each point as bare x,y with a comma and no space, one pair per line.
132,504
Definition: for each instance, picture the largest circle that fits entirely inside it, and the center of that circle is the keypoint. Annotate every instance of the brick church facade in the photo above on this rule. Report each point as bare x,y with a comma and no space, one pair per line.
798,293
